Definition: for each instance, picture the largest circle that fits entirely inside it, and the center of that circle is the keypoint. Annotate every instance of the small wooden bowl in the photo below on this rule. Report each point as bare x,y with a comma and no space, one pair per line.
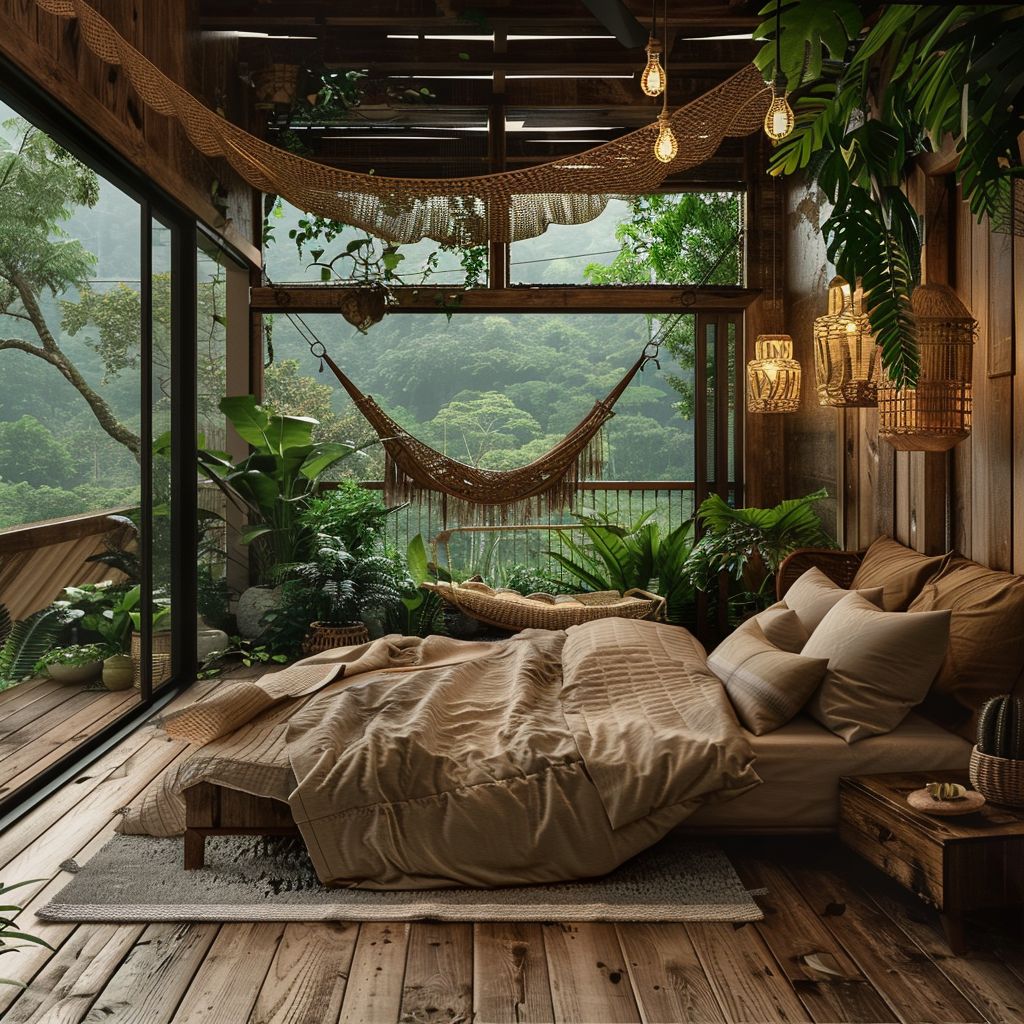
921,800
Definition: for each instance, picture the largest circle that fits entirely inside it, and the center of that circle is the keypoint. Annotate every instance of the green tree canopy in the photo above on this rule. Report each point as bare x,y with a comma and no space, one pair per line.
29,453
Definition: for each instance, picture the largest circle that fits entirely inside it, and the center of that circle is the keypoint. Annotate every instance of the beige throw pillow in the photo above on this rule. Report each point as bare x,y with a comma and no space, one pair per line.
814,595
880,665
898,570
767,686
782,628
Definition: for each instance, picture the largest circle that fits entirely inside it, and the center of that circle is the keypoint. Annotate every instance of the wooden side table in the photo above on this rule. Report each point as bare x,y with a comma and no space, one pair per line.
956,864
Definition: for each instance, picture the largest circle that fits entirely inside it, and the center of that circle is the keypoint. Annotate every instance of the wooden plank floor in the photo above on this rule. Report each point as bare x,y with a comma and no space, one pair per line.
838,943
42,721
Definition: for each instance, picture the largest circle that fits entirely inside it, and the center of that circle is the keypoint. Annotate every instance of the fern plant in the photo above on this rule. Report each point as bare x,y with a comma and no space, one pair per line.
9,933
26,642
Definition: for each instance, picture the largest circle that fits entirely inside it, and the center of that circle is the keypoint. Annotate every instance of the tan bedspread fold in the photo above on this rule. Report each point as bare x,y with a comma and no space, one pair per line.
423,763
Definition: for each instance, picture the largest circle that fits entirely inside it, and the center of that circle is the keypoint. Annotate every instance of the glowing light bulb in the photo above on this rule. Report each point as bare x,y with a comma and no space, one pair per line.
778,122
652,81
666,148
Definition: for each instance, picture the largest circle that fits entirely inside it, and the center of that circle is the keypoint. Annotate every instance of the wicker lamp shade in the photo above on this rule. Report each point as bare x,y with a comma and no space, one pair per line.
773,377
847,363
935,415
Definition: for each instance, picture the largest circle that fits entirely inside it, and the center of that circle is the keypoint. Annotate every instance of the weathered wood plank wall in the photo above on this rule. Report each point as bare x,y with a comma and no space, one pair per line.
973,497
51,52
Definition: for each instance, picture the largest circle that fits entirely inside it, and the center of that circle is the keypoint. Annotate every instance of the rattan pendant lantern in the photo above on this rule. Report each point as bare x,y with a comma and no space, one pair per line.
773,375
935,415
847,361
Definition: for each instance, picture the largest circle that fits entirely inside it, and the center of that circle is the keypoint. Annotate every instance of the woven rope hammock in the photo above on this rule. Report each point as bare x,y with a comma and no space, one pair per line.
501,207
413,470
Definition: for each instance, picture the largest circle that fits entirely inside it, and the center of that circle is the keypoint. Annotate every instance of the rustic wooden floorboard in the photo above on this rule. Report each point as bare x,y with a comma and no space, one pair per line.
42,720
839,942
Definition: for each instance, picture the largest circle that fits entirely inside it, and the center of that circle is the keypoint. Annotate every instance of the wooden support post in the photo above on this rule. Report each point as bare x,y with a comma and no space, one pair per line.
497,156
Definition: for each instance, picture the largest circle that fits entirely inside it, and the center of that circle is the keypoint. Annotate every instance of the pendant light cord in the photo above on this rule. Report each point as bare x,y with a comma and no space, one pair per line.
664,93
778,44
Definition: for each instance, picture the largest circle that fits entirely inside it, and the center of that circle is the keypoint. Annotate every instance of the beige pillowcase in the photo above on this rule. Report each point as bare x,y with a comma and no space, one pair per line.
814,595
782,628
767,686
900,571
880,665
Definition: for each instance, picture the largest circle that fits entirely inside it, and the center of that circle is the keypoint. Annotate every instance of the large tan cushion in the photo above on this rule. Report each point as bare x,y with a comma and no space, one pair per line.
986,639
880,665
782,628
767,686
900,571
814,595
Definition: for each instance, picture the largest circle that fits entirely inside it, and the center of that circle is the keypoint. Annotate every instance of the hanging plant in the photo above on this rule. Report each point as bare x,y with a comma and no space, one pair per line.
875,86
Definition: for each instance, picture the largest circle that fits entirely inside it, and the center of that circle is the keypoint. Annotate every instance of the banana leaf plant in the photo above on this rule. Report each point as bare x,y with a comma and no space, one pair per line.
610,556
874,85
749,544
274,484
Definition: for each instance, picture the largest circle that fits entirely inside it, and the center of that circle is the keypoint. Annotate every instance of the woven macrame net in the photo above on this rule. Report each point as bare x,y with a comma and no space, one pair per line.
413,470
499,207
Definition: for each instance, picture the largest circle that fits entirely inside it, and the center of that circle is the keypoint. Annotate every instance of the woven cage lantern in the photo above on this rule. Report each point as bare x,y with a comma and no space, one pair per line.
847,362
773,377
935,415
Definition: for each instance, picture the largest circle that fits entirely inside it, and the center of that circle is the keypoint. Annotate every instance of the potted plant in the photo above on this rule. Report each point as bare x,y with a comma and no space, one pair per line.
273,486
114,625
749,544
334,589
160,638
76,663
997,762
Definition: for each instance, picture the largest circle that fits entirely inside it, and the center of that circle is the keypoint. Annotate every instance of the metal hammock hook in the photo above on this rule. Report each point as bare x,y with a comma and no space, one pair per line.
650,354
314,347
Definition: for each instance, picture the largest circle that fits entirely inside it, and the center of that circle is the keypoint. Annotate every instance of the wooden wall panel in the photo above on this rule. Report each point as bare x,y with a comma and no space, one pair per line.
51,52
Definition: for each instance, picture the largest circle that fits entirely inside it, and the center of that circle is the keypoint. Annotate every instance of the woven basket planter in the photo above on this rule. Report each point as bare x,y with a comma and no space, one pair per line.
276,85
160,658
1000,780
325,637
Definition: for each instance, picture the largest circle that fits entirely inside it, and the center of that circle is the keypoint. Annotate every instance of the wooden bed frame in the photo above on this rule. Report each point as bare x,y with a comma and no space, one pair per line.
217,811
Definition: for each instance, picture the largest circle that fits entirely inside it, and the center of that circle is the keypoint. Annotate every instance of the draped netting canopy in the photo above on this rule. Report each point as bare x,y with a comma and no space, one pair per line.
501,207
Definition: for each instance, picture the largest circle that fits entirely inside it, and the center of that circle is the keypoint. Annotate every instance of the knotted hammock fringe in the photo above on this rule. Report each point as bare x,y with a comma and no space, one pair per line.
501,207
413,470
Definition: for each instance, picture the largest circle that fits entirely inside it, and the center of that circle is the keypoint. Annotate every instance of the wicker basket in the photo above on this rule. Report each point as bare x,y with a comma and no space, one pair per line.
325,637
508,609
1000,780
160,658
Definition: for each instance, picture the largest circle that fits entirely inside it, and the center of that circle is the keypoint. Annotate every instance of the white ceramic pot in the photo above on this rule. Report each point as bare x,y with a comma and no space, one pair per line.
75,673
209,640
253,604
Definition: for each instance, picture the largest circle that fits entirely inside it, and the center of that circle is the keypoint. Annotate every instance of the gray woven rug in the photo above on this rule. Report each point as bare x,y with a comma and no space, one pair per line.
138,878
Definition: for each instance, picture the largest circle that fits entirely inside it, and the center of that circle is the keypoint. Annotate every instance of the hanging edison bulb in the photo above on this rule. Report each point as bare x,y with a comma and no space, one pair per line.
666,148
652,81
779,120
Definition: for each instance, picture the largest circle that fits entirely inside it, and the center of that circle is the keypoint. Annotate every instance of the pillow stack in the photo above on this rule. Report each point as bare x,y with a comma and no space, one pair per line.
857,668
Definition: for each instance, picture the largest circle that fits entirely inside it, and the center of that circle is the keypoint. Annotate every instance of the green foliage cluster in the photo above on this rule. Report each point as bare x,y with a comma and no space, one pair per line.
877,84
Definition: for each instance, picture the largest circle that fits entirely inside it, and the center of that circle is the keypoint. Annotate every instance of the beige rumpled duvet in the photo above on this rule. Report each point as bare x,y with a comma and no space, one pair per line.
412,763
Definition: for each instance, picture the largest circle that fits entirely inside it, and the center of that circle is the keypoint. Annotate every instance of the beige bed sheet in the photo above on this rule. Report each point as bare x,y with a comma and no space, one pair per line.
800,766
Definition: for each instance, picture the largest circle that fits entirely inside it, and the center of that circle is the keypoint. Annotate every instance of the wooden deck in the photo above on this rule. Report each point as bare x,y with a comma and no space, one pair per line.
42,721
838,943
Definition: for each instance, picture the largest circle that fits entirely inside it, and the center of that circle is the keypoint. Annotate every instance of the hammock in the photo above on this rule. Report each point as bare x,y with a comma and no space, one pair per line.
413,470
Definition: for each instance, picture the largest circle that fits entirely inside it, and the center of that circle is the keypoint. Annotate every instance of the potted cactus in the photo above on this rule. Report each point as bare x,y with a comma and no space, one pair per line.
997,762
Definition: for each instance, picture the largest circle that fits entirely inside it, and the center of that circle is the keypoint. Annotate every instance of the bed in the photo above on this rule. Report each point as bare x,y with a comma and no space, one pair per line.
800,766
409,763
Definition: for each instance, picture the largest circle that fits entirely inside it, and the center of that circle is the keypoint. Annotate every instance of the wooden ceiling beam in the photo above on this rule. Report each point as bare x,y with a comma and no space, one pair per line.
519,299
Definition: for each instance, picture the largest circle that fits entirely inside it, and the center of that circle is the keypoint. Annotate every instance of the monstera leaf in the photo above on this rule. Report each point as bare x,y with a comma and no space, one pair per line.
809,32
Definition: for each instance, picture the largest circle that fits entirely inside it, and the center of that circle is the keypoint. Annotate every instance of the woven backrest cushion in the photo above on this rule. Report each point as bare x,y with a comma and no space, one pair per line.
900,571
767,686
814,595
986,640
880,665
